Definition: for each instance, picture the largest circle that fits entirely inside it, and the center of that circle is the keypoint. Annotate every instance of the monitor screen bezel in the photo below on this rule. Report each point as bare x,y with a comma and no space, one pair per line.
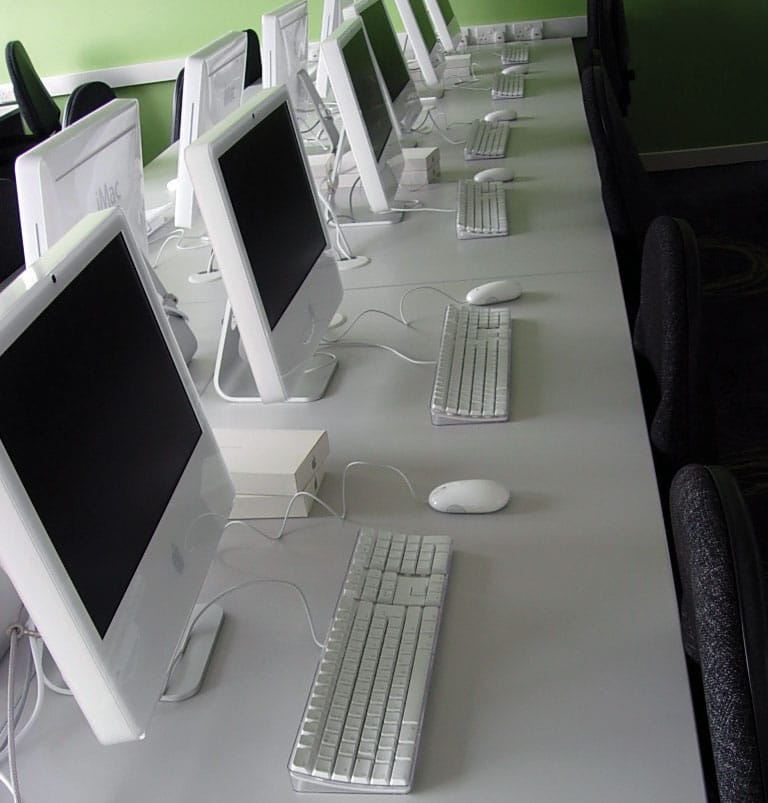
428,59
118,679
376,174
275,354
447,29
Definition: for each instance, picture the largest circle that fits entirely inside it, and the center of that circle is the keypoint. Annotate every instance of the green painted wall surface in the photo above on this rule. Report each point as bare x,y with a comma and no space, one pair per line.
682,98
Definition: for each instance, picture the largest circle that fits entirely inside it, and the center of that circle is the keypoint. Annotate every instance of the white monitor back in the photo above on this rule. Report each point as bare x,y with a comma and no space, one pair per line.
365,111
445,23
264,219
93,164
329,22
213,87
423,40
110,527
284,49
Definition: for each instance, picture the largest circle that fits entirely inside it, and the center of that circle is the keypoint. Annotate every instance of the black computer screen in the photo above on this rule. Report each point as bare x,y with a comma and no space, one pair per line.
357,57
385,48
424,23
275,209
98,425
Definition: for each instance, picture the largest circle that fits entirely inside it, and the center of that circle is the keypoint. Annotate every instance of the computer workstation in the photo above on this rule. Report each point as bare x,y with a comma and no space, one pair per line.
578,645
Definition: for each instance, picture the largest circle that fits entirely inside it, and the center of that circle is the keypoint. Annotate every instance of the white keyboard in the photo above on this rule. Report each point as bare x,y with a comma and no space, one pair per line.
481,209
507,87
472,377
514,53
486,140
361,726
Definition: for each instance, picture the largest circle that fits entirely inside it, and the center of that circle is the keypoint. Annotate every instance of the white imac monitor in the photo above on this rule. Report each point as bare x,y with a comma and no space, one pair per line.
423,40
213,87
365,111
445,23
331,19
113,494
92,164
406,105
260,207
284,49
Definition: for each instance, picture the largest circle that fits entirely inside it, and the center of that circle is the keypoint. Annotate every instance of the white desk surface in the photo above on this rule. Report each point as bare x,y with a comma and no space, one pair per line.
560,673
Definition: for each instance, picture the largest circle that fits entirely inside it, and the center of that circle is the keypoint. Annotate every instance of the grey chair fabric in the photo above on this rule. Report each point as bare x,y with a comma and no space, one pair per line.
252,58
724,623
11,250
38,108
86,98
668,340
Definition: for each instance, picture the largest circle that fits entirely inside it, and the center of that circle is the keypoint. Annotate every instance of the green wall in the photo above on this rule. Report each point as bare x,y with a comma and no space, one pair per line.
682,97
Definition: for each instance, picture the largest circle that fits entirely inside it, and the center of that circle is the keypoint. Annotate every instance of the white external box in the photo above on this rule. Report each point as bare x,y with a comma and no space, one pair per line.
256,506
272,462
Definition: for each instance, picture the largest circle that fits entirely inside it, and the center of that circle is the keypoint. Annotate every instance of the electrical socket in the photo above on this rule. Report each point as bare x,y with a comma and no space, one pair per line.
499,35
483,34
526,31
6,93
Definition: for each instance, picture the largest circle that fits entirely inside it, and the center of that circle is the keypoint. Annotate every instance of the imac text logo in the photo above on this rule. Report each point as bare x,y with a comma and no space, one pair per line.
108,195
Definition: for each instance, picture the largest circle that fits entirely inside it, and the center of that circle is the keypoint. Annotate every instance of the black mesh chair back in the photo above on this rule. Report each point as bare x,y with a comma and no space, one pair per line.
628,195
11,250
87,98
668,345
40,112
614,49
724,624
594,32
178,93
252,58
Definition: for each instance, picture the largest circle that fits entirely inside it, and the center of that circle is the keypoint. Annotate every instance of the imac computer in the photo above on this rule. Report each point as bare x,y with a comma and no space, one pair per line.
406,105
213,87
284,49
423,41
365,111
333,14
92,164
263,216
445,23
113,494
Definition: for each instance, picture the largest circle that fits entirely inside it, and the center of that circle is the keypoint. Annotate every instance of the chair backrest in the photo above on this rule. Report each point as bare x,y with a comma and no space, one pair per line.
594,29
11,250
628,195
724,604
614,47
178,93
38,108
252,58
668,345
86,98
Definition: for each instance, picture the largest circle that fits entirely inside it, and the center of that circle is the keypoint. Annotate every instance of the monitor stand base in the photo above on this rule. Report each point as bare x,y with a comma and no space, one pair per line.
234,381
187,675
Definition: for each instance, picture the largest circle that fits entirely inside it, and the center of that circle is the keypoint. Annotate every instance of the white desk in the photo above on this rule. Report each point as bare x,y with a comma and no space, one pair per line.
559,673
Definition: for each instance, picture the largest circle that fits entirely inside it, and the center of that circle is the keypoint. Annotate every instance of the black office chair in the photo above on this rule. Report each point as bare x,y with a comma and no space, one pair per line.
668,342
178,93
86,98
40,112
724,625
252,58
628,195
11,250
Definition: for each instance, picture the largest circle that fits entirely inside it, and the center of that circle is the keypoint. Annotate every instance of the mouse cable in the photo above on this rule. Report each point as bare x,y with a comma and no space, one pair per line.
341,516
421,287
443,132
418,208
205,606
370,311
383,346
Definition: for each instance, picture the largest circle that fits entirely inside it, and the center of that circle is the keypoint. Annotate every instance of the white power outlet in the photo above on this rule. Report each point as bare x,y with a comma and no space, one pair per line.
483,34
525,31
499,35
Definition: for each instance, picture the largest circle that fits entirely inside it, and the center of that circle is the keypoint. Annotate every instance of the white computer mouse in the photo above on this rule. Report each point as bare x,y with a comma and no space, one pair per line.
498,115
469,496
494,292
495,174
521,68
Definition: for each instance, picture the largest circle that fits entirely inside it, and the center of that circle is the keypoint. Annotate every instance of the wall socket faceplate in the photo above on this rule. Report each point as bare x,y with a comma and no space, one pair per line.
498,33
526,31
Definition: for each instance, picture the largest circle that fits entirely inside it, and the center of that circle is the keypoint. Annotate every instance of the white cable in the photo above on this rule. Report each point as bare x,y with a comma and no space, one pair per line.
330,341
413,290
14,778
418,209
176,234
400,354
356,463
442,133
